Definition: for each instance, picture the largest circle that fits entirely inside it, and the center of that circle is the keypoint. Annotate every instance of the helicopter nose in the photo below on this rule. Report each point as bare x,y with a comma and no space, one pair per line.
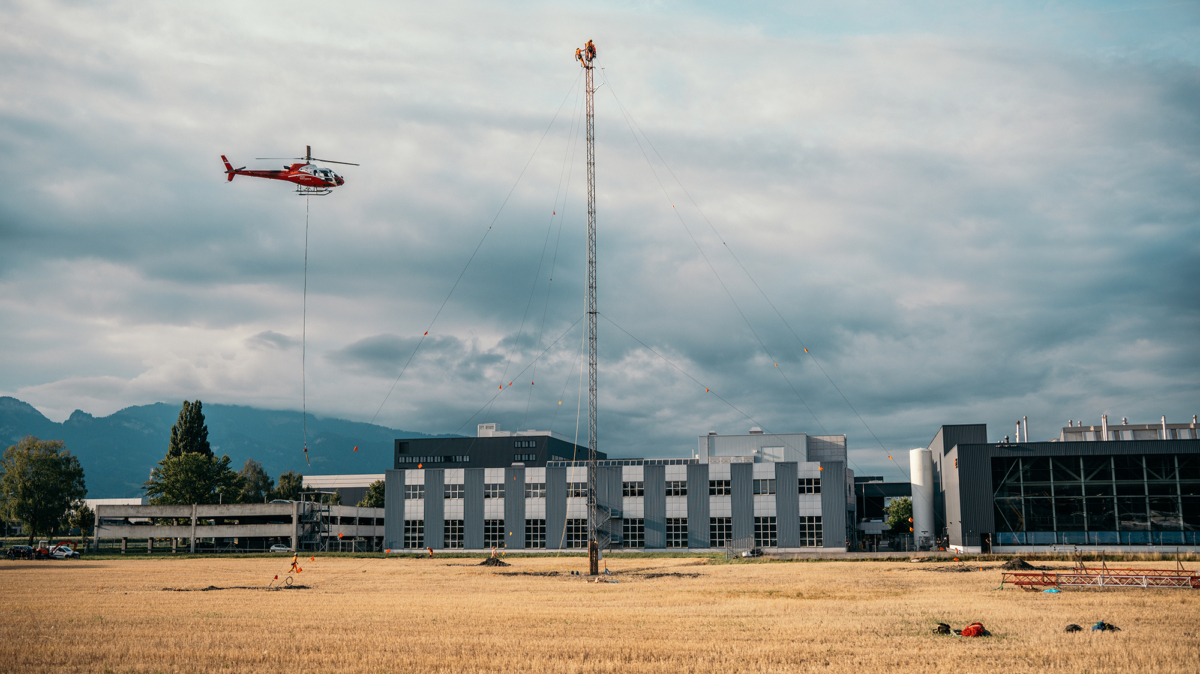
340,181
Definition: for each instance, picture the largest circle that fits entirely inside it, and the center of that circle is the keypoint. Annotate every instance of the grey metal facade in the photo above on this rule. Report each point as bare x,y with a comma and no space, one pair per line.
393,505
435,508
833,504
787,504
473,508
697,505
609,496
556,506
514,507
741,485
655,506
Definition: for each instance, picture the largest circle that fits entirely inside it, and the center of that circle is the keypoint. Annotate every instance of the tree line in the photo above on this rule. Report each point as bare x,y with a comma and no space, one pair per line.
42,484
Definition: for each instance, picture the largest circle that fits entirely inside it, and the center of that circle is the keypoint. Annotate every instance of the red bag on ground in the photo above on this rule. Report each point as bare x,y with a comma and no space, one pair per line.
975,630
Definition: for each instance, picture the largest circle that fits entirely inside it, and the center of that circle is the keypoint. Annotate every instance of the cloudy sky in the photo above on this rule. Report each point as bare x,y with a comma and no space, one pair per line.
966,212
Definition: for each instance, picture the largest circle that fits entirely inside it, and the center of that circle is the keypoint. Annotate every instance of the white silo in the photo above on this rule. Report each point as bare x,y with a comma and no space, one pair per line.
920,462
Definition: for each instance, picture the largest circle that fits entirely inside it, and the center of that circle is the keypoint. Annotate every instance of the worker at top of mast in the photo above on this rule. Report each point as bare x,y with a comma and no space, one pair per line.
579,55
591,50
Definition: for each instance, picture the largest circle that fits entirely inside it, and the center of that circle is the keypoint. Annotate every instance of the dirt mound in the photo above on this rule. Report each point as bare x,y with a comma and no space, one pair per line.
493,561
1018,564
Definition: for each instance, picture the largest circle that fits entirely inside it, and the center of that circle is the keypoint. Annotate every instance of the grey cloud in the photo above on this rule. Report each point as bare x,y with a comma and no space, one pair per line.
961,226
270,339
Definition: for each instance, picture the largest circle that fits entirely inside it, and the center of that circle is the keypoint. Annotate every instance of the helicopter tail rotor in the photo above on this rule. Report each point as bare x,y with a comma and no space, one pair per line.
230,172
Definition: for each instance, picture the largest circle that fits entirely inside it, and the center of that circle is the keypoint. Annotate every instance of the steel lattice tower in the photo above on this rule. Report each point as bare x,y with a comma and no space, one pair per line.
586,56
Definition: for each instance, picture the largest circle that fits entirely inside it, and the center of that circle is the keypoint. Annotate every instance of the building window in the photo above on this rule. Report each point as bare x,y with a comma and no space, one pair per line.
718,488
577,533
633,489
414,533
493,490
525,444
720,531
677,488
414,492
454,491
677,532
765,533
634,531
493,533
535,533
810,485
535,490
810,532
521,458
577,490
452,534
762,487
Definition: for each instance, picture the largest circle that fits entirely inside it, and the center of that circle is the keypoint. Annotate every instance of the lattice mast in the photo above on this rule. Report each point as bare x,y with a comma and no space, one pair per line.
586,55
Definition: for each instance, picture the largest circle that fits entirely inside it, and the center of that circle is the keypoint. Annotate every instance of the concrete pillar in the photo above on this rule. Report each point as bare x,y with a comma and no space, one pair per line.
295,526
174,545
193,545
96,534
149,546
124,544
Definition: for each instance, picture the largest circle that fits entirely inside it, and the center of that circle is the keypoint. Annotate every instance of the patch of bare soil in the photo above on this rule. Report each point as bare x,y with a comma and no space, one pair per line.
494,561
212,588
527,573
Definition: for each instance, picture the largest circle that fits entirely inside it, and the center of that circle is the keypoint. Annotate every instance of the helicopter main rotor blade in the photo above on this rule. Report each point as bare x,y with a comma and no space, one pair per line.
290,158
330,161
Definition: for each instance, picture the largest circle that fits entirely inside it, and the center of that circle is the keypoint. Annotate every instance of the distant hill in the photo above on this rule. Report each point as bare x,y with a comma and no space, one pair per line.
118,451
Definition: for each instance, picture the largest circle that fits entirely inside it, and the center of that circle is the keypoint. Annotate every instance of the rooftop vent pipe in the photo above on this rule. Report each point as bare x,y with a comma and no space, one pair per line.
1025,425
1103,426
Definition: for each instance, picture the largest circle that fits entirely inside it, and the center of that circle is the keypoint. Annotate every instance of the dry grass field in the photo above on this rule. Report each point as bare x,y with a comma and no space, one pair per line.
663,615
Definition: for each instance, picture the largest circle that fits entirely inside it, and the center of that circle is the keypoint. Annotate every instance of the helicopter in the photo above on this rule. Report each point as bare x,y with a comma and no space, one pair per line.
310,179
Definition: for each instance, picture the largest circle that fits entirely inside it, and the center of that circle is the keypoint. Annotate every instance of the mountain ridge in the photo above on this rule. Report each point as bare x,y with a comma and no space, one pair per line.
137,438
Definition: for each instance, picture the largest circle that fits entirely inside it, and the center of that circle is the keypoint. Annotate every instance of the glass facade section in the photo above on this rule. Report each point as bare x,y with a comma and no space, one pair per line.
677,532
634,531
720,531
535,533
1097,500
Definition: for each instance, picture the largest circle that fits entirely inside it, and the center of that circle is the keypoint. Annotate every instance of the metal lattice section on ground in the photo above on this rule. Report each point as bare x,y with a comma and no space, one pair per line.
1104,577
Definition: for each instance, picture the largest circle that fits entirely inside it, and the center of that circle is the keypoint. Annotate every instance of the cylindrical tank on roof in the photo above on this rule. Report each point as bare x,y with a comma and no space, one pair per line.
920,463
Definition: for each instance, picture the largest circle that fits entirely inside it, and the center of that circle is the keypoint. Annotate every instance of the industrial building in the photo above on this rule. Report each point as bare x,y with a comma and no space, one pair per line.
1121,486
300,525
787,492
490,448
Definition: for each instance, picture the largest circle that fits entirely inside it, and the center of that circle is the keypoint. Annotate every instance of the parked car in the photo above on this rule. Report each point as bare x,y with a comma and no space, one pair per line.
753,552
19,552
280,548
64,552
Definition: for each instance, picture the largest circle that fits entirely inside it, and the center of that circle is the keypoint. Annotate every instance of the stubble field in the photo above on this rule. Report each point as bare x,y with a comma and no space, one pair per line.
662,615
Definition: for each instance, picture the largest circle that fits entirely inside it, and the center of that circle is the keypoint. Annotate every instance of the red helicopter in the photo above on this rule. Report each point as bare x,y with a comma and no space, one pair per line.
309,178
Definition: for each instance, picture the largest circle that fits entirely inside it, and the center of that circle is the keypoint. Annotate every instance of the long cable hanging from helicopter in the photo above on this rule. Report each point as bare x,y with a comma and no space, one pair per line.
310,180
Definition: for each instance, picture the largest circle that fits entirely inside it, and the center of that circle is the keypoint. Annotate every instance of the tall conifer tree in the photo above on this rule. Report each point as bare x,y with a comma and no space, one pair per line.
189,435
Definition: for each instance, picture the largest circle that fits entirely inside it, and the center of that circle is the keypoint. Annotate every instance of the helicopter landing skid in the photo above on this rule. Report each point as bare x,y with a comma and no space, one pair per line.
313,191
